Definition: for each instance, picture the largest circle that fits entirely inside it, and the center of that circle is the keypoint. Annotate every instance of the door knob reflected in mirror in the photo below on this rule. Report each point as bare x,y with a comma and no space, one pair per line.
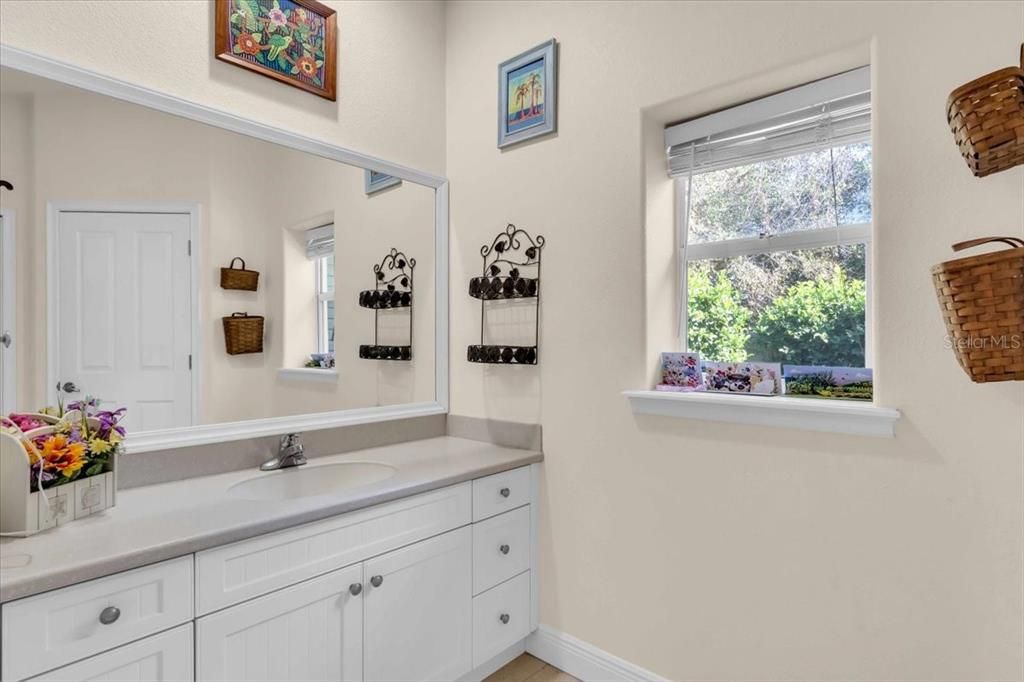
376,580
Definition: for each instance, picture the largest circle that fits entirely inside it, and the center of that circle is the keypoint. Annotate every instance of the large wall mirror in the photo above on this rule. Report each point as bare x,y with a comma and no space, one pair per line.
126,206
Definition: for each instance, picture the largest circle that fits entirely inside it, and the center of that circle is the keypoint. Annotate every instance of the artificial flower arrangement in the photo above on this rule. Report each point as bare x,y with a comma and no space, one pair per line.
69,454
65,444
320,361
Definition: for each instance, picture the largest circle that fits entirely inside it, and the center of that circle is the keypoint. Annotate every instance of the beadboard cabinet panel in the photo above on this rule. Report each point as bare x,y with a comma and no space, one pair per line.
418,611
166,657
311,632
230,574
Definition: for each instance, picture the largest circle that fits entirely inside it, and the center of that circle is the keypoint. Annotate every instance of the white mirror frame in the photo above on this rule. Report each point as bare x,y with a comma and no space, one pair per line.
21,60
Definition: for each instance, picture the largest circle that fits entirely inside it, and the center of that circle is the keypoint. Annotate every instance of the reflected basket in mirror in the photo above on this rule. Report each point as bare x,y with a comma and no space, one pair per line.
243,333
238,278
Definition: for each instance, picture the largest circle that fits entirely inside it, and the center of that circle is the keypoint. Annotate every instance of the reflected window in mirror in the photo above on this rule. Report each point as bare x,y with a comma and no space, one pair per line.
320,249
325,304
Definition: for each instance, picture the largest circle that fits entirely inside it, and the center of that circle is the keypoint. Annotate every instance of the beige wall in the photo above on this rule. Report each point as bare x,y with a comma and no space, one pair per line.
717,552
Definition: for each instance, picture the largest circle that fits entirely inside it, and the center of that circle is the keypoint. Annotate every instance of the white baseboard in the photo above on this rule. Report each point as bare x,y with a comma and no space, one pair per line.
582,660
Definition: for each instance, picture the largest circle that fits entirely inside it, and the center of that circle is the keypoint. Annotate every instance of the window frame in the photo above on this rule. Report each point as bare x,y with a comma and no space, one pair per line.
855,233
322,297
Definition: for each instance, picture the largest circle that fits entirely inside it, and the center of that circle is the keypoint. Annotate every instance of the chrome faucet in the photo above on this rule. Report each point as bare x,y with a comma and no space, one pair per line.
289,454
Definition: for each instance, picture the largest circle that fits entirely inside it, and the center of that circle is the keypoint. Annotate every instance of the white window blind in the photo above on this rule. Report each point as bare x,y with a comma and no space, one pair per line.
833,111
320,241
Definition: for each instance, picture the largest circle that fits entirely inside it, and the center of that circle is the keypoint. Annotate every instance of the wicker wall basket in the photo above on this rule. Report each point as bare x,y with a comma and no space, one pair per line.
987,118
234,278
982,303
243,333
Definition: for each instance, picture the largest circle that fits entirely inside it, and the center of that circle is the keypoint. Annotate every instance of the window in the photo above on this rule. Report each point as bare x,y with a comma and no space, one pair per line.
774,227
325,304
320,250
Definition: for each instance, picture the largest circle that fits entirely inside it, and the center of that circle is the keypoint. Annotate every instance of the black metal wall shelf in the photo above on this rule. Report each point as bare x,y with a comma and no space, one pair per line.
511,254
371,352
392,290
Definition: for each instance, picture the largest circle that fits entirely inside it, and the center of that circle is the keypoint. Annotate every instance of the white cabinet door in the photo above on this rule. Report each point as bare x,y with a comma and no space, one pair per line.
166,657
308,632
418,611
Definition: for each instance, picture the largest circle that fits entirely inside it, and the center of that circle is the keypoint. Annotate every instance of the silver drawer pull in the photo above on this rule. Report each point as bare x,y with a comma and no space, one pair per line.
505,492
504,549
109,615
355,589
504,618
376,580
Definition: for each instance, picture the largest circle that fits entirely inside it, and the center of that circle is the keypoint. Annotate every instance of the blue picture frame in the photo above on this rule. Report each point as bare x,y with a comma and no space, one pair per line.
528,95
375,181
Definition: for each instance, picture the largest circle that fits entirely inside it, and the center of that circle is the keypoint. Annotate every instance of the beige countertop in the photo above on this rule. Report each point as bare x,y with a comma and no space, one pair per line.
158,522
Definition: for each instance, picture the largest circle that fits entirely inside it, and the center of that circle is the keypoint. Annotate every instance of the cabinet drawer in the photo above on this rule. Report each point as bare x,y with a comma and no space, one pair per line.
501,548
250,568
501,617
166,657
55,628
500,492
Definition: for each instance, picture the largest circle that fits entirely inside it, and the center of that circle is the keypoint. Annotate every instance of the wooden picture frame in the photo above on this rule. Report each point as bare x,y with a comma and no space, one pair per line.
292,41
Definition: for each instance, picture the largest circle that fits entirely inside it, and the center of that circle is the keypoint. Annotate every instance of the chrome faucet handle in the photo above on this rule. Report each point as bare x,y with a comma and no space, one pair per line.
289,440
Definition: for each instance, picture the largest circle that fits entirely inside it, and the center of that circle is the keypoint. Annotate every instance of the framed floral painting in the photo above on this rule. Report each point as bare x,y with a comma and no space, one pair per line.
292,41
527,94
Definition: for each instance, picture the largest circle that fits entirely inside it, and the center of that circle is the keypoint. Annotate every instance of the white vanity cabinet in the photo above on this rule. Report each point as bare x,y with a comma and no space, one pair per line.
310,631
435,586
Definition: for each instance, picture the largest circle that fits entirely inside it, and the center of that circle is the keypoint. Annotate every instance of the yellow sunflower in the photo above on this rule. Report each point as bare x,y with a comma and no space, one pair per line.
63,455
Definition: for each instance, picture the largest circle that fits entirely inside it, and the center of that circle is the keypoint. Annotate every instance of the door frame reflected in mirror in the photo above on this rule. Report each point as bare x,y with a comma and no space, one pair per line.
45,67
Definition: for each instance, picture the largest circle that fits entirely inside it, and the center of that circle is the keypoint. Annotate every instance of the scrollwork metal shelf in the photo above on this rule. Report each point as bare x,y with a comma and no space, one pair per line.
392,289
511,271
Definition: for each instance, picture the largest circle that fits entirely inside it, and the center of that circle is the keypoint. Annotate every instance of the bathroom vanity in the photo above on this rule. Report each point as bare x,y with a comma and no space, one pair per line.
425,574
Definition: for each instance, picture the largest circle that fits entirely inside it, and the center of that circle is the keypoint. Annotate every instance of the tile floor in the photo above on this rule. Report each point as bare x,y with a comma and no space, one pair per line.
526,668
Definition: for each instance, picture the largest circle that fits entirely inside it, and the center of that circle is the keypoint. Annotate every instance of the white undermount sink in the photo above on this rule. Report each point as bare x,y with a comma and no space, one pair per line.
310,479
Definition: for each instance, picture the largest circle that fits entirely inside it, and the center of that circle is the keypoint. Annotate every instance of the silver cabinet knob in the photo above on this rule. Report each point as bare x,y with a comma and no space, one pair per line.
504,549
376,580
355,588
505,492
504,618
109,615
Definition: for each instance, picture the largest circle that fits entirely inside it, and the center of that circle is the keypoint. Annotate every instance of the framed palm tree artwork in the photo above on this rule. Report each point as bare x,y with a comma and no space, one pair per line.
291,41
527,94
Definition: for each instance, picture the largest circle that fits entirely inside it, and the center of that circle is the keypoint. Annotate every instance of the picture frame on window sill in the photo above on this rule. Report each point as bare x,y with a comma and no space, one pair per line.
528,95
375,182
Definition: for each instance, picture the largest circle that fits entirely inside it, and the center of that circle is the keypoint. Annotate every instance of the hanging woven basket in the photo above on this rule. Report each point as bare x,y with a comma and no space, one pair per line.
982,303
243,333
235,278
987,119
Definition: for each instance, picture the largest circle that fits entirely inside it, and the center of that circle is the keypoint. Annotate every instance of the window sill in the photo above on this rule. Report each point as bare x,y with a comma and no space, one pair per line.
307,374
834,416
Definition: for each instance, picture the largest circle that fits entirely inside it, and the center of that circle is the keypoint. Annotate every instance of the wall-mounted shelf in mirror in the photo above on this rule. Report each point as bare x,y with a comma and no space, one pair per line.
511,270
211,161
392,290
